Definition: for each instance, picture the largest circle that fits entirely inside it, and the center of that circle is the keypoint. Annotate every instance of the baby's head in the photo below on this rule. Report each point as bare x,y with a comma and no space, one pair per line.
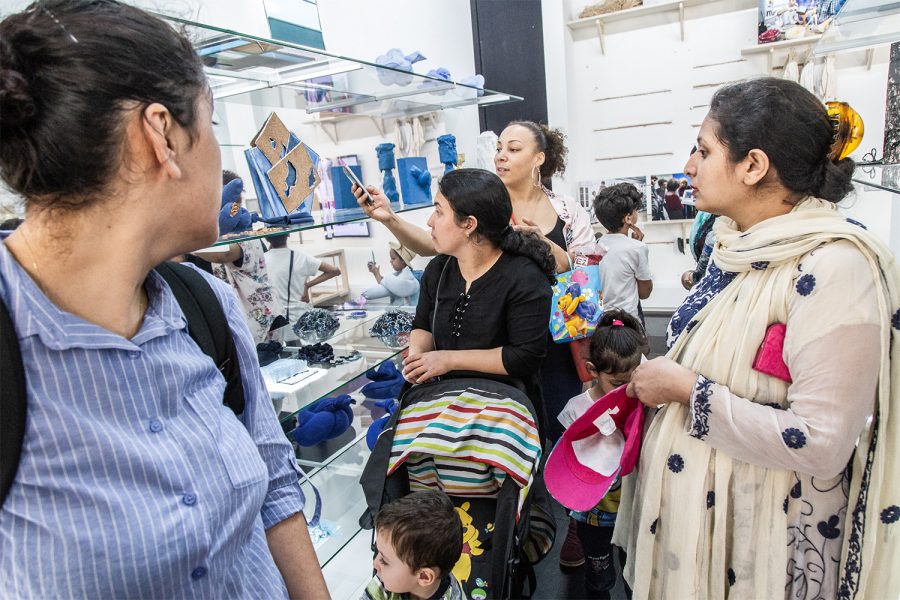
419,539
616,349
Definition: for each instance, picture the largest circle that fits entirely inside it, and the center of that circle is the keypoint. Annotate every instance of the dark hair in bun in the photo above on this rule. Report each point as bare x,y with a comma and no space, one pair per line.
618,342
481,194
552,142
68,70
789,124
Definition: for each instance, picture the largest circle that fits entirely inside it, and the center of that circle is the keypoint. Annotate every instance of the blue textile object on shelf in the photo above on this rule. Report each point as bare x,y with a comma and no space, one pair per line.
476,81
270,204
415,180
447,151
441,74
395,59
231,191
386,382
377,426
387,164
343,195
326,419
243,219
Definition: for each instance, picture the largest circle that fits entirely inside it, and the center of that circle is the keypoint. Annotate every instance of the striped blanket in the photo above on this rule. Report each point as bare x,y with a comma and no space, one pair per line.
466,442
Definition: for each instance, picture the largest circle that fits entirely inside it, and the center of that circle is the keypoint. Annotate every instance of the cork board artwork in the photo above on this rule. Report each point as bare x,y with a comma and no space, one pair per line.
294,177
273,139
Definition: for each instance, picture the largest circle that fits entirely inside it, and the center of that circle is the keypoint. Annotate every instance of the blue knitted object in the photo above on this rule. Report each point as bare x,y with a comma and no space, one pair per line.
386,382
395,59
387,164
231,191
447,151
243,219
415,180
377,425
326,419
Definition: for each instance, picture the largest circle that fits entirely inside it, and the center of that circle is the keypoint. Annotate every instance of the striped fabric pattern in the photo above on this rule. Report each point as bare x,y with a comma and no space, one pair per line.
135,480
466,443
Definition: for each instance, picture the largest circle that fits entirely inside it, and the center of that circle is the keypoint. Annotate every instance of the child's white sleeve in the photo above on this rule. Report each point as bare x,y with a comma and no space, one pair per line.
574,408
642,272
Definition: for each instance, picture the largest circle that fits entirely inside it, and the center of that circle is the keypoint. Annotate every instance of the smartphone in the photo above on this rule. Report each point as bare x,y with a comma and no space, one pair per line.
355,180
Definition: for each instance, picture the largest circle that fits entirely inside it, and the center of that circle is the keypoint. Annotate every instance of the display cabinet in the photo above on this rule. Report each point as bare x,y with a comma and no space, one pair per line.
334,466
326,89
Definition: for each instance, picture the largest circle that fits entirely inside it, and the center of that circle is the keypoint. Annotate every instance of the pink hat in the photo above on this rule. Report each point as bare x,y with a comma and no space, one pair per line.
602,444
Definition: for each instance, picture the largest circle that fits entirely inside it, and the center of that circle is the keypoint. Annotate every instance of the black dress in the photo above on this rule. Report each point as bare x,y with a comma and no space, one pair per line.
506,308
559,379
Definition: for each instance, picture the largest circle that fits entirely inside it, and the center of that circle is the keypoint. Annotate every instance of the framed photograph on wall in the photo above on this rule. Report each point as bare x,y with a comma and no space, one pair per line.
790,19
588,190
670,197
360,229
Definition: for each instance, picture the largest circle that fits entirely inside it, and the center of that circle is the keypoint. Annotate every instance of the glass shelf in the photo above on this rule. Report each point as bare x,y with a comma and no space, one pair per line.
343,501
320,219
253,70
335,465
883,177
347,378
861,24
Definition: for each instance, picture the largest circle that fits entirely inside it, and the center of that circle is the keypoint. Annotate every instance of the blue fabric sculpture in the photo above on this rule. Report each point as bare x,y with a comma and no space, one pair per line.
386,164
415,180
386,382
325,420
447,151
377,426
422,177
234,218
395,59
440,73
475,81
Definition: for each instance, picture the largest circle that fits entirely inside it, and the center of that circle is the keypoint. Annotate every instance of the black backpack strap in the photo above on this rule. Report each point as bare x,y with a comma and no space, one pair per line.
207,325
13,403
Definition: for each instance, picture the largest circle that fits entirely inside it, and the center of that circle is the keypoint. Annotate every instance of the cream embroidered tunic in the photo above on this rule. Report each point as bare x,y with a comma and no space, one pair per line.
744,493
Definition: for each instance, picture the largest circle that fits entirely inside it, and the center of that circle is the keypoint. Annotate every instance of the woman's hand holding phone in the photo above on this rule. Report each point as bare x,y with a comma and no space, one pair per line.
379,207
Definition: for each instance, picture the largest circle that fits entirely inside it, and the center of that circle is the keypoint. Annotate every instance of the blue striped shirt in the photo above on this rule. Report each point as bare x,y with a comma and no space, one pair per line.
135,480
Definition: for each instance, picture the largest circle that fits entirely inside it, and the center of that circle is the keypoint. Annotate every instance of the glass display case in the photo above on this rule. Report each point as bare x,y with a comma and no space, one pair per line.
274,75
334,466
270,74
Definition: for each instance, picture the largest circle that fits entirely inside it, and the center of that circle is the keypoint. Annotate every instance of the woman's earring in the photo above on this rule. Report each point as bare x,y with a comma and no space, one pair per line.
536,177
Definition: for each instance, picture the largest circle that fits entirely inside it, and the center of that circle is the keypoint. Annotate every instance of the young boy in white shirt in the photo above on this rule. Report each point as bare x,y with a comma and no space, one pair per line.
625,269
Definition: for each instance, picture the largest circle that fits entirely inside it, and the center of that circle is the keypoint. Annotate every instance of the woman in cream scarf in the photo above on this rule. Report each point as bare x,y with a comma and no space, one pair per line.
760,478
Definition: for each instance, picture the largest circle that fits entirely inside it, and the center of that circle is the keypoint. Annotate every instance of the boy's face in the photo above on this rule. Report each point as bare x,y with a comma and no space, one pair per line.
396,575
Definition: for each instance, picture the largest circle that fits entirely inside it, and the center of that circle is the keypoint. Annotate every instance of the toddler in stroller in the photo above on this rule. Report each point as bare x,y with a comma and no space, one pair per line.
477,440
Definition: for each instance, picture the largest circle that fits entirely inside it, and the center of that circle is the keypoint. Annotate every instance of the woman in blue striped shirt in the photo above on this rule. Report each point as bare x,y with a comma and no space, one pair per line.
135,480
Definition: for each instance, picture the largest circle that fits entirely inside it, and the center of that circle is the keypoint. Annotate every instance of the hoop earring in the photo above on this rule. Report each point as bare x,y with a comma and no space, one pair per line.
536,177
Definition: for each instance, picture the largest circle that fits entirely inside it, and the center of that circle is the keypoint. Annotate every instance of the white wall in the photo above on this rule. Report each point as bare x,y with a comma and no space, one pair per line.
647,54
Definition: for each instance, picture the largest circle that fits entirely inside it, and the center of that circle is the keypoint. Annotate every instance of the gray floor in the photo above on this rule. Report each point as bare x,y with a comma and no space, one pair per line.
555,583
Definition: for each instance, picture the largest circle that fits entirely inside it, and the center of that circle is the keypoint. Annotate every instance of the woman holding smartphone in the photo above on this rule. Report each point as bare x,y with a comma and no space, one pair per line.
528,155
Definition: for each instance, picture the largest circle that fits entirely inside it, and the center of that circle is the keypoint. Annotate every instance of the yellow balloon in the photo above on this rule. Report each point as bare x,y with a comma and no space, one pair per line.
848,129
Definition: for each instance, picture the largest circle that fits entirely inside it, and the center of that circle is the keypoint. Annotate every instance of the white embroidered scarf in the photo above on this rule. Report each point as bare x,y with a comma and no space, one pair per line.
722,346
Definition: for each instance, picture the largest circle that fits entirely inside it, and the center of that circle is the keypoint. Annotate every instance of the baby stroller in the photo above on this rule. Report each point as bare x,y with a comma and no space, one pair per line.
478,441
